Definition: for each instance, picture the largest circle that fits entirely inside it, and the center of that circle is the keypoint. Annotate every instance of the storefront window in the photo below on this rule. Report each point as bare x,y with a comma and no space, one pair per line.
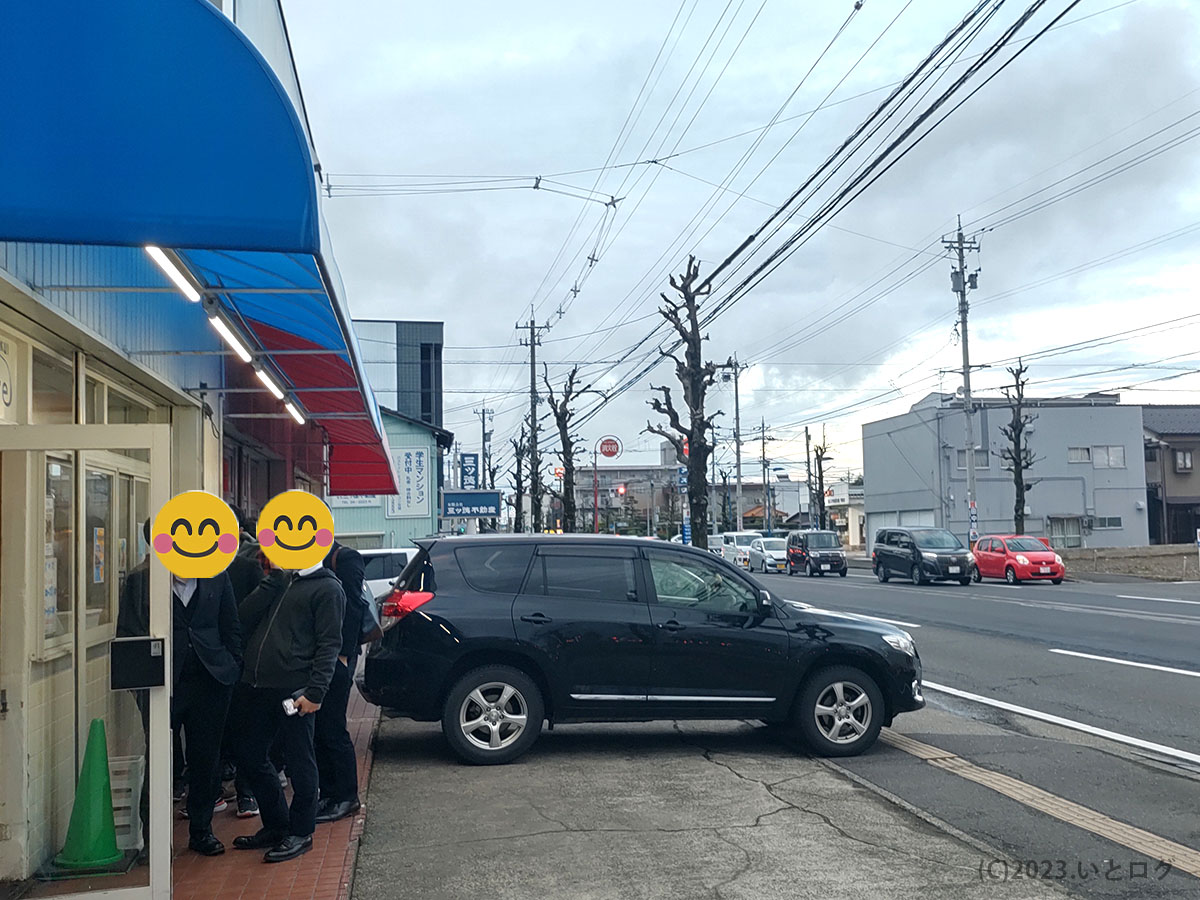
93,399
98,554
123,410
53,390
59,548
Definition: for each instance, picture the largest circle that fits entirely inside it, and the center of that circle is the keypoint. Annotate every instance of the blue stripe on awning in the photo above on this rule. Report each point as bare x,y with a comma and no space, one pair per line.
127,123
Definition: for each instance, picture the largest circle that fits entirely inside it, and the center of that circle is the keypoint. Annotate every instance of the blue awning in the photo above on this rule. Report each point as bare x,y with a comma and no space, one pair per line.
129,123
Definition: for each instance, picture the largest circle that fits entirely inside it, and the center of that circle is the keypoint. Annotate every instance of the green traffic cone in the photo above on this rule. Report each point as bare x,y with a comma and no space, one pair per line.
92,834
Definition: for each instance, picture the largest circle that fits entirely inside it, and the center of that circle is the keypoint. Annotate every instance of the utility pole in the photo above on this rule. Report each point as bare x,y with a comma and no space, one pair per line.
808,473
960,283
766,490
737,368
535,475
485,453
485,442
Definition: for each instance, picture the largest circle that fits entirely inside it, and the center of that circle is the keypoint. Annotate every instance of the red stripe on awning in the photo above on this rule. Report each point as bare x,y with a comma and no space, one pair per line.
360,461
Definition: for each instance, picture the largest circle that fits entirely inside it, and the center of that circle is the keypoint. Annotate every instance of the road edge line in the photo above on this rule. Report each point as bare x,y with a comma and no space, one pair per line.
1114,736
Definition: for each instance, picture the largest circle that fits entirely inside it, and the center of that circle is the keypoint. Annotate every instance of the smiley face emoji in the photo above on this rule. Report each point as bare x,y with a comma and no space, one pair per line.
295,530
195,535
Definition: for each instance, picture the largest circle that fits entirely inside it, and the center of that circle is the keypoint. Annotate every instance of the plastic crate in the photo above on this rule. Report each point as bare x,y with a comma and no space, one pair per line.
125,774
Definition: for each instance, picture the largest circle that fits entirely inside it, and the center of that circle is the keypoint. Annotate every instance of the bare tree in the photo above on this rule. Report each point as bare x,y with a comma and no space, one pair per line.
568,451
695,377
1017,457
520,448
820,456
726,507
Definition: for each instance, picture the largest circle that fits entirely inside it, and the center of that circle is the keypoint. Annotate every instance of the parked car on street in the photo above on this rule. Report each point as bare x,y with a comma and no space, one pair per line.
735,546
815,552
921,554
1017,558
382,567
768,554
492,635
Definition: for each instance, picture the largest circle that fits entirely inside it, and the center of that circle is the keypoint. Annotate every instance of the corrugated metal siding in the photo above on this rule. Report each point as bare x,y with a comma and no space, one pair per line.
130,321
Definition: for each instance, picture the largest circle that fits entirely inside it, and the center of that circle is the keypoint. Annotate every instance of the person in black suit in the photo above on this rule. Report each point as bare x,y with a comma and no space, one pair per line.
206,649
337,766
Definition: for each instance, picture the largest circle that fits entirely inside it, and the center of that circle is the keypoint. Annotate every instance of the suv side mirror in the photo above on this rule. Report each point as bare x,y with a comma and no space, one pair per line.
764,601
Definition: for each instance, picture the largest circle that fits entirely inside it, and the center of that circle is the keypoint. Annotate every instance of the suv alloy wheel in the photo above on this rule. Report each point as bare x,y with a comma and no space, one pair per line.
918,577
881,573
840,709
492,715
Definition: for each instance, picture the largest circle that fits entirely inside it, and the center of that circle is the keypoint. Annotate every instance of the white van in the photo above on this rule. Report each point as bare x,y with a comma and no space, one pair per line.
735,546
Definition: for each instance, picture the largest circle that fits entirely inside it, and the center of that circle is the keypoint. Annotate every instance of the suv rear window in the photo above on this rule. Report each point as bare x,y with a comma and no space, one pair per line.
498,568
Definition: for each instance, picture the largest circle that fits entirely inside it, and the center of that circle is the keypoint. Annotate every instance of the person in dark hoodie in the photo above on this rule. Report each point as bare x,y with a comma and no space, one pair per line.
337,766
294,622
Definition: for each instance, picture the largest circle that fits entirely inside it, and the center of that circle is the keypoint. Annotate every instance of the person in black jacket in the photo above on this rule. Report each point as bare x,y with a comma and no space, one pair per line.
295,624
337,766
206,653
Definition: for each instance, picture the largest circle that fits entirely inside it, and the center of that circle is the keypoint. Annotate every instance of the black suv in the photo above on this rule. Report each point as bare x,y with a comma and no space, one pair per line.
921,554
815,552
492,635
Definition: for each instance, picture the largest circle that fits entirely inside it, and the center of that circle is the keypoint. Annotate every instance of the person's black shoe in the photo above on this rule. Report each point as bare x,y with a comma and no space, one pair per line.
208,845
331,811
257,841
289,848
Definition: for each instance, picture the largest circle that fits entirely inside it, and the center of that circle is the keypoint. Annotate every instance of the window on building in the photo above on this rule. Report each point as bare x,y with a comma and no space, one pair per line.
981,459
1183,460
1066,531
1108,521
53,390
1110,456
1079,454
1151,454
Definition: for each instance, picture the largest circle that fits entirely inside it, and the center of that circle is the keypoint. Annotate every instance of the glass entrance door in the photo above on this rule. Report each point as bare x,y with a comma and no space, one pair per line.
75,498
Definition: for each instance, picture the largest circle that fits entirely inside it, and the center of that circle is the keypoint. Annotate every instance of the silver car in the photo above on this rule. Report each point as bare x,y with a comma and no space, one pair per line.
768,555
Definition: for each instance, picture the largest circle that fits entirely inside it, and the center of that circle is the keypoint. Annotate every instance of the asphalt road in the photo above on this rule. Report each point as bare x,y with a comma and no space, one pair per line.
994,641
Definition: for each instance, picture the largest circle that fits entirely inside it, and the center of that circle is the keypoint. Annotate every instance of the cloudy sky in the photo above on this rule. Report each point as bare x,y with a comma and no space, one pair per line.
1073,167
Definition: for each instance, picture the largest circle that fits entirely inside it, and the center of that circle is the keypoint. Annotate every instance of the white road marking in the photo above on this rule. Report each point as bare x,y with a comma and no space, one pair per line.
1126,662
1068,723
1157,599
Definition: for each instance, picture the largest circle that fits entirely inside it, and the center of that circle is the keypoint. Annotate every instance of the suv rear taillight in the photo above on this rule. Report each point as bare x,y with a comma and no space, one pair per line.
399,603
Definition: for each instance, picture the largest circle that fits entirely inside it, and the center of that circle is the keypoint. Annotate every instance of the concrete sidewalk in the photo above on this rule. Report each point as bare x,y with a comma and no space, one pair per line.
661,810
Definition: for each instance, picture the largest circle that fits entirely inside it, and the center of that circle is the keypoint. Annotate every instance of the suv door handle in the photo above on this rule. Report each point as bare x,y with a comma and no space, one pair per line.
672,625
537,619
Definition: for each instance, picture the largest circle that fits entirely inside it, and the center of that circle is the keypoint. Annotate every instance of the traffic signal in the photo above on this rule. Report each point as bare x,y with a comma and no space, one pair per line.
620,490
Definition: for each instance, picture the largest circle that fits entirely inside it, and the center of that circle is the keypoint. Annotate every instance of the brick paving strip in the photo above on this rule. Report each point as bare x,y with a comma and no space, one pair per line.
324,873
1144,842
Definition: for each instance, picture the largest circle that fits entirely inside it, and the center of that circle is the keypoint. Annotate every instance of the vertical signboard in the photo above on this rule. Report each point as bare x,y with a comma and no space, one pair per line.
413,501
469,471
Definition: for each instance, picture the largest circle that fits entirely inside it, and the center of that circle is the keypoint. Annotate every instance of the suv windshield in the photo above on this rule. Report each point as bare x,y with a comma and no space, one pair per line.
824,540
937,539
744,540
774,544
1027,544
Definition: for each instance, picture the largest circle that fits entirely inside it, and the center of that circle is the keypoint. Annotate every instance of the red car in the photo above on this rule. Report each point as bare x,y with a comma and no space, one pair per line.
1017,558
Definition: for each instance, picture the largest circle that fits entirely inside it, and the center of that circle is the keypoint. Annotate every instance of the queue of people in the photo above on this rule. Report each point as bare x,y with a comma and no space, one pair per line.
263,660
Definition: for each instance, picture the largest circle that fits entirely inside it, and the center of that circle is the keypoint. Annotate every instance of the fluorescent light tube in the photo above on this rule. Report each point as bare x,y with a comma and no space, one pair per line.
270,383
172,271
296,414
230,338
